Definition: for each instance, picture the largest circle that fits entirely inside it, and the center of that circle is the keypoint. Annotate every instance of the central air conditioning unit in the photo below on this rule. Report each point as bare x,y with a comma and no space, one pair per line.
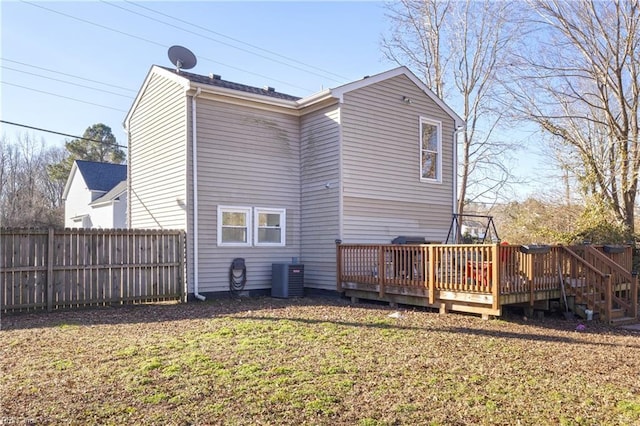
287,280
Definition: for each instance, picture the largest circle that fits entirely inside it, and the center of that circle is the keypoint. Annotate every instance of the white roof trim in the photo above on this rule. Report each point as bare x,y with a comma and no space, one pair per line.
99,203
111,196
316,97
153,71
239,94
67,185
339,92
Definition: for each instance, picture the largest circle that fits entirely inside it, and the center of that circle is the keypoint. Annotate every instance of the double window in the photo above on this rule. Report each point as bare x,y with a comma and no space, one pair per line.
430,150
251,226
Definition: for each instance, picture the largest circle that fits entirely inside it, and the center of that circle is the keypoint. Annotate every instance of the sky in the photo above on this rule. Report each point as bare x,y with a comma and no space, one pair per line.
68,65
53,47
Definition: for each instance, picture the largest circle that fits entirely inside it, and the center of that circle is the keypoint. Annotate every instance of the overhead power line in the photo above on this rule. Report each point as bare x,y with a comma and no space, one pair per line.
308,68
240,41
104,27
68,75
60,133
62,96
155,43
66,82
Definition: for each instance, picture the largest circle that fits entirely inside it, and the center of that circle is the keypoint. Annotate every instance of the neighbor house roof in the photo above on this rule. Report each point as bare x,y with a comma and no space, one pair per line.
112,195
98,176
101,176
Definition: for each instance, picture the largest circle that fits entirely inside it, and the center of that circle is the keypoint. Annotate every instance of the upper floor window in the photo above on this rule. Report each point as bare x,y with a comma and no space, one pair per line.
430,150
270,229
234,226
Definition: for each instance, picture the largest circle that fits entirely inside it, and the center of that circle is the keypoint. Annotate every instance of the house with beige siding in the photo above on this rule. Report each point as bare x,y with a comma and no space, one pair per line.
256,174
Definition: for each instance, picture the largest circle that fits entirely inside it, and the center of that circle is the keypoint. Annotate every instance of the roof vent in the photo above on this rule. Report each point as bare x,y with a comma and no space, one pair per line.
366,76
269,88
213,76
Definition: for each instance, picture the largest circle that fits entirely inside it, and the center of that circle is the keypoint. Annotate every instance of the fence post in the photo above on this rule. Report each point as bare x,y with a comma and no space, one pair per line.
634,294
50,245
182,273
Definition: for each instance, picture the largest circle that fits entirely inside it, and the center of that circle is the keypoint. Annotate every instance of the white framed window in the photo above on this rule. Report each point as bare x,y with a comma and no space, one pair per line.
430,150
269,227
234,226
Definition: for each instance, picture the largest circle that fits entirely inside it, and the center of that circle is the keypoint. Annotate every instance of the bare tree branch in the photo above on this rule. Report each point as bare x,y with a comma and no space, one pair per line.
466,41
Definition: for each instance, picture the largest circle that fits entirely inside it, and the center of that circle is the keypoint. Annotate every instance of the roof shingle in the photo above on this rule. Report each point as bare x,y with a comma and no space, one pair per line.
101,176
218,82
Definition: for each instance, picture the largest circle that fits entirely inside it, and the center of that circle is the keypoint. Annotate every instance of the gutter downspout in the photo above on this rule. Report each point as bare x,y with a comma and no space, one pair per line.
456,132
128,208
194,160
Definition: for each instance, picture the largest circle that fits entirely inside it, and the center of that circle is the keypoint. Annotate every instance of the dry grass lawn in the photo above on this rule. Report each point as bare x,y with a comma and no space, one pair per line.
312,361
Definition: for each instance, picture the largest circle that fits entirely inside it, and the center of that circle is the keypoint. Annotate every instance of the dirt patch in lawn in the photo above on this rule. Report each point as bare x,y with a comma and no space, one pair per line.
312,361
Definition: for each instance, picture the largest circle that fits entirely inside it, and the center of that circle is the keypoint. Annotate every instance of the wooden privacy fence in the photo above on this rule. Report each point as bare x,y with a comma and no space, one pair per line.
64,268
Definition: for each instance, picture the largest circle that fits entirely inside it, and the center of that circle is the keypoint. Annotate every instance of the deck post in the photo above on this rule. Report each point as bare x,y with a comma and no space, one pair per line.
608,298
381,271
495,277
532,258
432,274
338,266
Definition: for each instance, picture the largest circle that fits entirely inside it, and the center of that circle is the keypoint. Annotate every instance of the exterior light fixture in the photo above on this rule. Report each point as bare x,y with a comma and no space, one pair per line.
407,100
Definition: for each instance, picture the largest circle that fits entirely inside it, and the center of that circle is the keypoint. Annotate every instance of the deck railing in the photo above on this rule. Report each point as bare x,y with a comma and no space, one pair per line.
489,269
586,282
466,268
619,287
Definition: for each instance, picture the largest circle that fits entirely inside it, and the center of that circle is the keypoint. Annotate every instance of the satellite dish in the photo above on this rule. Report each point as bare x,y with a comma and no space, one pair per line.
182,58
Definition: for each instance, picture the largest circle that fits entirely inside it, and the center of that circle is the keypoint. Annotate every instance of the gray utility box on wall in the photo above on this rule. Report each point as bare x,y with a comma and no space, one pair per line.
287,280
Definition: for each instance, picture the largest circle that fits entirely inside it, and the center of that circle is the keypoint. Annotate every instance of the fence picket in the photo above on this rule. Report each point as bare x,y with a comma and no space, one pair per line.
55,269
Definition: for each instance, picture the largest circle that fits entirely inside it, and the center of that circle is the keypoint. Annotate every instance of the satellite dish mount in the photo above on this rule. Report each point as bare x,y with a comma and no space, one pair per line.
182,58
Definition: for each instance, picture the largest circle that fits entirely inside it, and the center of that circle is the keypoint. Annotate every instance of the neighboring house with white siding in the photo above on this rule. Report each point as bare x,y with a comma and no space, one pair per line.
257,174
95,195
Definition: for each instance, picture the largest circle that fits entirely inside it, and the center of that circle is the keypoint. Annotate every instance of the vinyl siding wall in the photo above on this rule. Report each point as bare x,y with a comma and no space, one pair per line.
157,166
383,194
251,158
320,133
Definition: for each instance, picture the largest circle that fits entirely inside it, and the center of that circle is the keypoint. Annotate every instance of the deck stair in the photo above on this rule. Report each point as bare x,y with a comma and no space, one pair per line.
617,316
598,283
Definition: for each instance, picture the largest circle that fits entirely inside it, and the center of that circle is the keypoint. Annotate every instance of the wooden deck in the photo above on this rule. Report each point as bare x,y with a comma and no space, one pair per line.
483,279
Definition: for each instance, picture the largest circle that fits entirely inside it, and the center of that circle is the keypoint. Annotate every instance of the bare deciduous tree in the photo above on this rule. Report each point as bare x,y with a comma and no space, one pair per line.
459,48
27,197
581,85
416,40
